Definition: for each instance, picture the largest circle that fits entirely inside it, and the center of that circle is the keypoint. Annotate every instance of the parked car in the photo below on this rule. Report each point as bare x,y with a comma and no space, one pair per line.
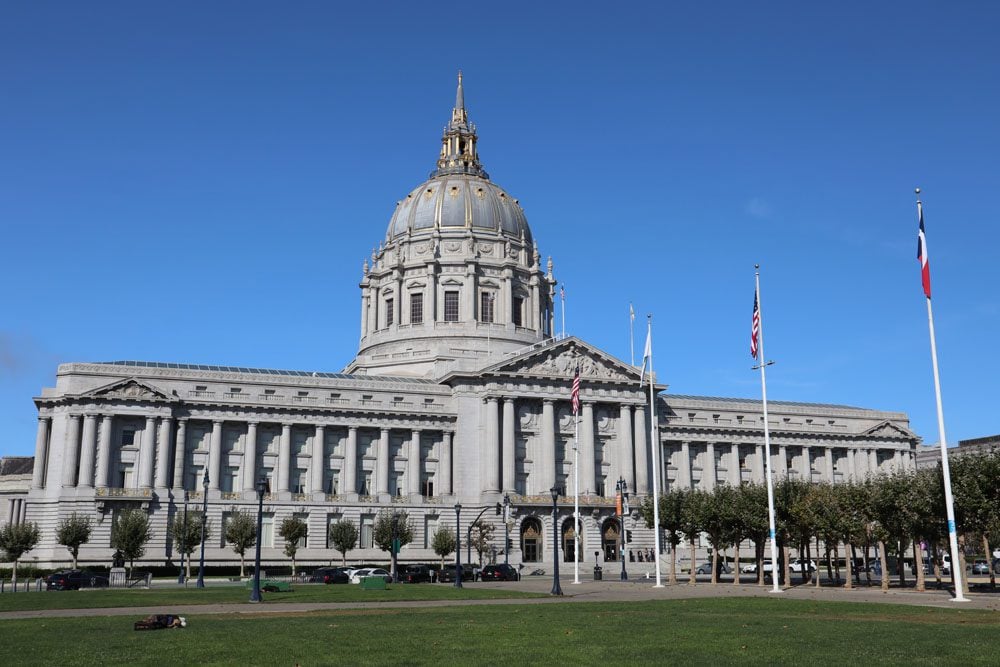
447,573
499,573
415,574
329,575
74,580
370,572
799,564
706,568
980,566
796,566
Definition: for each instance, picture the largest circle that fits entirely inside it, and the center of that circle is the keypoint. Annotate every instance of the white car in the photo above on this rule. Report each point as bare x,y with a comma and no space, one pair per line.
795,566
357,575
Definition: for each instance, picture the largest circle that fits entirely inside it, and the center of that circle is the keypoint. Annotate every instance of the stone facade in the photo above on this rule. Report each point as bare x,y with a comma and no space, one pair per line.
459,394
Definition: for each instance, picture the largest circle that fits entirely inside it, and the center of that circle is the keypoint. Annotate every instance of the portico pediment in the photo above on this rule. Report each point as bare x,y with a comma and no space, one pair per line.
887,429
561,360
129,389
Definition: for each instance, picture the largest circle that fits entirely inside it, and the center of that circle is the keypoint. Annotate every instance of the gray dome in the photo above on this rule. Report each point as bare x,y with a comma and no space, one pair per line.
459,201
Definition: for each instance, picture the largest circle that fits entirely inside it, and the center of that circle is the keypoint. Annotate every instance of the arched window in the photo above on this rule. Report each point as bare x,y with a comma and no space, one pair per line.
569,541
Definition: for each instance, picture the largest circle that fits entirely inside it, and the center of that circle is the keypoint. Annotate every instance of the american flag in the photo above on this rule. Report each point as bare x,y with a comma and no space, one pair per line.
575,394
754,327
925,269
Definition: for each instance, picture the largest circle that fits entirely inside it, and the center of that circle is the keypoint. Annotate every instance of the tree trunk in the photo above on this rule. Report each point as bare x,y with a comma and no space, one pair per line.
691,576
808,563
918,557
13,577
849,562
242,563
759,554
736,564
673,565
786,551
75,553
901,562
989,560
715,566
293,566
836,561
868,567
806,556
961,564
187,564
884,562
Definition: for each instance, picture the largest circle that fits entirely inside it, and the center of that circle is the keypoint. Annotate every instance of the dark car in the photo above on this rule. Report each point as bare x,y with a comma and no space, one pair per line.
706,568
498,573
415,574
74,580
329,575
447,573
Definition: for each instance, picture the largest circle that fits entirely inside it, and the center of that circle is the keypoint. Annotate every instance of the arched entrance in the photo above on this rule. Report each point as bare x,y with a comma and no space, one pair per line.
531,540
569,541
611,539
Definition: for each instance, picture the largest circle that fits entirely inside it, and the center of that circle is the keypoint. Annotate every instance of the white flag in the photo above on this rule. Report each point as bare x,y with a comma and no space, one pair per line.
647,355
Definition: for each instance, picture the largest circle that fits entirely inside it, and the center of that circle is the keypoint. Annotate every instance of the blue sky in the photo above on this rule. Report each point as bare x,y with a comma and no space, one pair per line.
200,182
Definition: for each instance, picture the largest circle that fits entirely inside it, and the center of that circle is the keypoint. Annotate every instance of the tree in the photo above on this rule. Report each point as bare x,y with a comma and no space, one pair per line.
72,532
481,535
443,543
693,522
752,523
187,535
17,540
383,532
293,530
671,514
343,537
241,534
130,533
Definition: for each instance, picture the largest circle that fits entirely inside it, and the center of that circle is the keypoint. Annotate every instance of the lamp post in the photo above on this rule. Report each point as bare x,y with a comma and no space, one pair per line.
184,532
458,546
556,589
506,529
261,490
204,519
622,487
395,547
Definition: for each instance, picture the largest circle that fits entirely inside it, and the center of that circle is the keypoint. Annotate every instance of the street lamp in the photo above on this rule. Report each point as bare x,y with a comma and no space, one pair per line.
395,547
556,589
458,546
204,519
184,533
262,488
622,487
506,529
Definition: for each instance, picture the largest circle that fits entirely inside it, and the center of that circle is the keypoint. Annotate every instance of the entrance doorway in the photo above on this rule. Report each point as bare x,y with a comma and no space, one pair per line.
611,539
531,540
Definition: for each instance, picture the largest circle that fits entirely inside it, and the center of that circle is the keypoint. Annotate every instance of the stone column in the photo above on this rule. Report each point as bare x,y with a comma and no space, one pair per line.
430,299
443,477
684,467
735,474
147,452
782,468
627,469
284,458
104,452
852,469
588,457
318,463
509,447
180,453
805,464
829,464
709,467
641,450
215,456
163,454
71,453
491,452
41,453
413,464
87,449
382,463
547,478
897,461
250,460
872,461
350,481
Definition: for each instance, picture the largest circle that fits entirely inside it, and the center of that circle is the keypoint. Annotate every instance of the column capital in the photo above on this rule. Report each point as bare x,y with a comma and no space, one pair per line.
548,401
491,399
352,429
218,421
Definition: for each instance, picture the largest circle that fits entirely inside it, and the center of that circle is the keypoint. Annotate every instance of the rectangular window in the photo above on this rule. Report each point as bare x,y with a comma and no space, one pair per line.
128,437
427,487
304,540
366,484
300,480
517,311
416,308
267,530
330,520
367,532
389,314
333,482
430,527
451,306
486,301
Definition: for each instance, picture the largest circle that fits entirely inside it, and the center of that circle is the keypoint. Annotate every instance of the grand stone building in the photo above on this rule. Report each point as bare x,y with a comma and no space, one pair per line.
459,394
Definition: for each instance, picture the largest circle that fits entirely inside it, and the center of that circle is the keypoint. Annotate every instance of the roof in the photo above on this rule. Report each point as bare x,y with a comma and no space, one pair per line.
264,371
757,401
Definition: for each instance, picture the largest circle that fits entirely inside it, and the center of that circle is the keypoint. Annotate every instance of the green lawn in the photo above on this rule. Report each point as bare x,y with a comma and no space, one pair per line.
702,632
104,598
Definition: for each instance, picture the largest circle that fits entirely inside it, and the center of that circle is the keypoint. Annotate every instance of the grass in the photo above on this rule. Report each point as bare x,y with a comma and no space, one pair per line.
104,598
692,632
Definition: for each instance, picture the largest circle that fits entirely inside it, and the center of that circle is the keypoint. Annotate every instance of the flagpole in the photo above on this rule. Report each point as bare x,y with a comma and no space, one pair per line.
631,332
576,499
562,297
767,437
945,470
654,443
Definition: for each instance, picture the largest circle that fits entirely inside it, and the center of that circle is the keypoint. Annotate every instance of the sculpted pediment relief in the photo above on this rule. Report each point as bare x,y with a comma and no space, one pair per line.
888,430
130,389
562,361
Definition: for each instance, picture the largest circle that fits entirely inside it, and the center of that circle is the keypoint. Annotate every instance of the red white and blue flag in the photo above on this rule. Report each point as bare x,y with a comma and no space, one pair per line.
925,269
755,327
575,394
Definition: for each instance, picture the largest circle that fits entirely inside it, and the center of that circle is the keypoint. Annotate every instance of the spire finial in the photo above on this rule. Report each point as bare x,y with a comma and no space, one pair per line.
460,94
